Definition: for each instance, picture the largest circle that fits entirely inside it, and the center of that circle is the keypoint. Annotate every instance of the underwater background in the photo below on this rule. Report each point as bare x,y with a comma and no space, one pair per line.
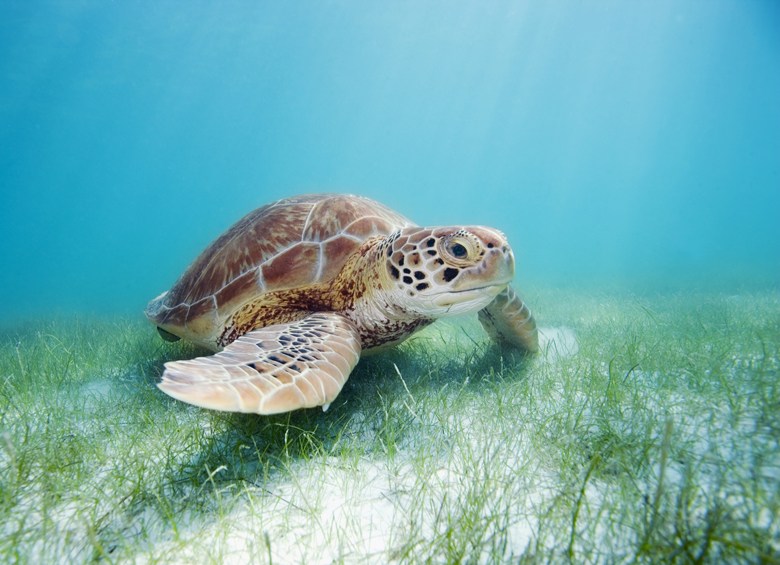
621,144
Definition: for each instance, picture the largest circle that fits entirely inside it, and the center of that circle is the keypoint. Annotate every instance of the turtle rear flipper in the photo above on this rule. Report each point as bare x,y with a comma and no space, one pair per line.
271,370
509,322
166,335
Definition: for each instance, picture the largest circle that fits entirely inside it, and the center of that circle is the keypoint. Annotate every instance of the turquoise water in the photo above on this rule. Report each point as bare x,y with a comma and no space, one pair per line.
630,143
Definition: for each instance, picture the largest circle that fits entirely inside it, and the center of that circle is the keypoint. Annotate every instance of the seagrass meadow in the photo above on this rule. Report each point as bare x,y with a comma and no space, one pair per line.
648,430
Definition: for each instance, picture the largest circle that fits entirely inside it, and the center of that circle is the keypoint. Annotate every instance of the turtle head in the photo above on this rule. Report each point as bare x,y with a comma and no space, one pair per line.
445,271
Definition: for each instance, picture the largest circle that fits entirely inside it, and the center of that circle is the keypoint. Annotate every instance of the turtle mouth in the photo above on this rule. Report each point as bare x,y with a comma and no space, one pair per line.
470,289
498,286
469,294
468,299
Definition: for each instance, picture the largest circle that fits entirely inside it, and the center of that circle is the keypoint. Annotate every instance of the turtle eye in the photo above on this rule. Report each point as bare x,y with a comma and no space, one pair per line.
458,251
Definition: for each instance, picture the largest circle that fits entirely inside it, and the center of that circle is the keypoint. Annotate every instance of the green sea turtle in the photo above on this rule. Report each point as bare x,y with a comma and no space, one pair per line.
295,291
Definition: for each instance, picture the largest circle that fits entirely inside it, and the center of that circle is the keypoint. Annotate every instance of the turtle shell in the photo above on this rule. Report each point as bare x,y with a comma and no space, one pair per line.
291,243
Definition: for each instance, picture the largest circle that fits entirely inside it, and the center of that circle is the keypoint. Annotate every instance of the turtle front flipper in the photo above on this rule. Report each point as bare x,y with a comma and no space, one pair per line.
271,370
509,322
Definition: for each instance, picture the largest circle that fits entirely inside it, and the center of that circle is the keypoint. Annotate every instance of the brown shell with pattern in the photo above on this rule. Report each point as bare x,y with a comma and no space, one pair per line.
291,243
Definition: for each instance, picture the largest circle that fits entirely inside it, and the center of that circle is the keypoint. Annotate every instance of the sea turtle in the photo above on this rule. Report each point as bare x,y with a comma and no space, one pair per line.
295,291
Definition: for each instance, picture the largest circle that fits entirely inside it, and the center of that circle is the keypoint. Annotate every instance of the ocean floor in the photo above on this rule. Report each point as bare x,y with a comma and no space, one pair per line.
647,430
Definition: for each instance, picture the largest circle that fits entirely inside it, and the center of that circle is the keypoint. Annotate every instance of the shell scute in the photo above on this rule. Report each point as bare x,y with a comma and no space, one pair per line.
202,315
332,252
369,226
293,267
339,214
231,295
168,315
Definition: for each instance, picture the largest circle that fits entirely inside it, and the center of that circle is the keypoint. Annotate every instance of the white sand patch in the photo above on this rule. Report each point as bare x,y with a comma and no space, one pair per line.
335,509
364,512
324,511
558,342
343,511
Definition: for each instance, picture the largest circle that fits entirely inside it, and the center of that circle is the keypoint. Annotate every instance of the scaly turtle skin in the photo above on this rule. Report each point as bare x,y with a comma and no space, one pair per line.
294,292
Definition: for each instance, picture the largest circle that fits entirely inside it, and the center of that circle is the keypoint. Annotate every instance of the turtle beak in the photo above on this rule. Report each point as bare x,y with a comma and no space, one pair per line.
497,267
476,286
